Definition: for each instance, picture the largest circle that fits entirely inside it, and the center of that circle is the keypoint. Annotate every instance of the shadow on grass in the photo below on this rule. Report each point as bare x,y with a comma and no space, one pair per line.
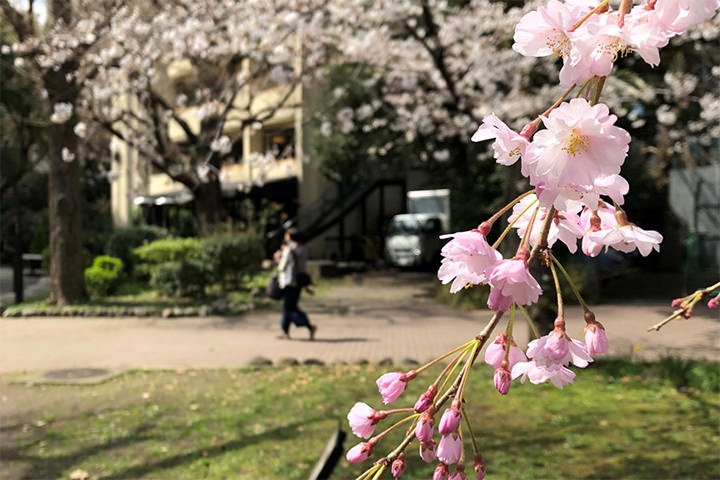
54,467
279,433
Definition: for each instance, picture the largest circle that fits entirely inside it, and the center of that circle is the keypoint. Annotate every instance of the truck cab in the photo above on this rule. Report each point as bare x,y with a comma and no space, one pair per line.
413,239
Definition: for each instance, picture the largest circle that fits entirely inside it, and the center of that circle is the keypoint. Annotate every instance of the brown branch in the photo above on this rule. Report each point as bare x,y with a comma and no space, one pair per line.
23,27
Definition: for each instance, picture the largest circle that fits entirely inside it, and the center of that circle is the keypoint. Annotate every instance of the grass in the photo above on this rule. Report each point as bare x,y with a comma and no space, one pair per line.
620,420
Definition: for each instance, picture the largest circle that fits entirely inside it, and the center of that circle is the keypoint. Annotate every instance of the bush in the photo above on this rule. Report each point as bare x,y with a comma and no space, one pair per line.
150,256
103,276
179,278
124,240
231,258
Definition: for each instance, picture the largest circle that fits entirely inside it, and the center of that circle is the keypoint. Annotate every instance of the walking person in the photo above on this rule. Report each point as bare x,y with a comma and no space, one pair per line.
291,260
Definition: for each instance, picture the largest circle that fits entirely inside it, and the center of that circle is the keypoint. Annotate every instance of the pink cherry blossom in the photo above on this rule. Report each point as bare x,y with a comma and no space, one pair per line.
495,352
593,221
541,373
428,451
545,31
596,341
449,421
565,226
392,385
509,146
424,428
579,145
677,16
466,257
557,347
362,419
441,472
359,452
502,379
511,282
568,197
627,238
449,449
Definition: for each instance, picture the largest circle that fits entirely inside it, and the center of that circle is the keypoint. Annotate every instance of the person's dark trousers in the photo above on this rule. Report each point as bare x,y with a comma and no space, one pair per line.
291,312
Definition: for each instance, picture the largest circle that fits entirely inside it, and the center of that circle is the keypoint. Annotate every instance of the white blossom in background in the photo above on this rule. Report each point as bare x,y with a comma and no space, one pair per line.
221,145
61,112
80,129
67,155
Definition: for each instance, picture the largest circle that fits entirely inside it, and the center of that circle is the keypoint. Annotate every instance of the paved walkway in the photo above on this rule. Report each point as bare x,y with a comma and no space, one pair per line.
373,316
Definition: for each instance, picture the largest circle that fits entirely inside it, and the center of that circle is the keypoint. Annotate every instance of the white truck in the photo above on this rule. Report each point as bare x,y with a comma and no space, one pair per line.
413,238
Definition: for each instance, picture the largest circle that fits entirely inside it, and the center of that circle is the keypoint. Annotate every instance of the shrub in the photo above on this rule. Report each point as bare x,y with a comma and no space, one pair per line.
124,240
231,258
149,256
103,276
179,278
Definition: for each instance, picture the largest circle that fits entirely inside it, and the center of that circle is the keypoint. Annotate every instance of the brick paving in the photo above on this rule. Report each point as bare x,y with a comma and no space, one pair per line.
372,317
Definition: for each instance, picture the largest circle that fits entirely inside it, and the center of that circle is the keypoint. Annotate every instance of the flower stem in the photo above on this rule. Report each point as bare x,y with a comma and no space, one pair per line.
452,372
443,356
570,282
509,227
558,102
469,427
592,12
509,331
557,289
507,207
393,427
525,242
530,322
380,471
449,365
542,243
466,373
366,474
598,90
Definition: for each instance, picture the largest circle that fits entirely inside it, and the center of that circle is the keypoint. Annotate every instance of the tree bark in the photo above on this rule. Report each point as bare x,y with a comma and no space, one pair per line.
209,210
66,262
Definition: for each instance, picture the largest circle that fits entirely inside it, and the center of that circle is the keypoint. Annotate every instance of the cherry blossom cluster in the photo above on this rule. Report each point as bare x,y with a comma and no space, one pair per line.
571,155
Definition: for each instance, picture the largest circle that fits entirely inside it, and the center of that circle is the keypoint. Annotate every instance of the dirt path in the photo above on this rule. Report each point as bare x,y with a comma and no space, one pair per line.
373,316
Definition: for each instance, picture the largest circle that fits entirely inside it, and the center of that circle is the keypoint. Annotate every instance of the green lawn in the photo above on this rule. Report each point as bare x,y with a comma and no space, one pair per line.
619,420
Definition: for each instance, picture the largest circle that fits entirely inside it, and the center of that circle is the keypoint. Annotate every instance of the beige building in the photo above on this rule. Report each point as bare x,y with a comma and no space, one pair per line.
339,227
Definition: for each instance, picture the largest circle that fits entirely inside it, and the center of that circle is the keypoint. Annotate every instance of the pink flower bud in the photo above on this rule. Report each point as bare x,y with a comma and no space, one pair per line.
676,302
596,341
441,472
428,451
714,303
398,466
458,475
450,448
557,344
359,452
424,428
479,467
391,385
426,399
450,420
502,380
362,419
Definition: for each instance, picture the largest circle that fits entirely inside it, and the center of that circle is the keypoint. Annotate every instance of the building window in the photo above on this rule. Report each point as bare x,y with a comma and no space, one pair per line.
280,142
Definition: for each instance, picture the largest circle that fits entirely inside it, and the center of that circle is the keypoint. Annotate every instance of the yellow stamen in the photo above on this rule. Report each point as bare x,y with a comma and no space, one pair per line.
576,143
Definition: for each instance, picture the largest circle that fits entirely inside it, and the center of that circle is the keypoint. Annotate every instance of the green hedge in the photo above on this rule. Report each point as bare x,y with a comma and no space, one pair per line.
231,259
148,257
124,240
179,278
103,276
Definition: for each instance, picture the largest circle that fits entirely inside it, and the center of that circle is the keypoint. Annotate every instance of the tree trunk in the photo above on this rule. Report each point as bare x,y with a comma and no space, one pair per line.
66,262
209,209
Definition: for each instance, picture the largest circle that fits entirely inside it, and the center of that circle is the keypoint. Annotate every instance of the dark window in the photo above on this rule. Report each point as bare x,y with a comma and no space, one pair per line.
280,142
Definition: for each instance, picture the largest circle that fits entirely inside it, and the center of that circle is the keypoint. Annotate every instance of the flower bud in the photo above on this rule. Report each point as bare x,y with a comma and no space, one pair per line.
441,472
392,385
359,452
502,379
596,341
426,399
363,418
557,345
450,449
398,466
714,303
424,428
479,467
450,420
428,451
